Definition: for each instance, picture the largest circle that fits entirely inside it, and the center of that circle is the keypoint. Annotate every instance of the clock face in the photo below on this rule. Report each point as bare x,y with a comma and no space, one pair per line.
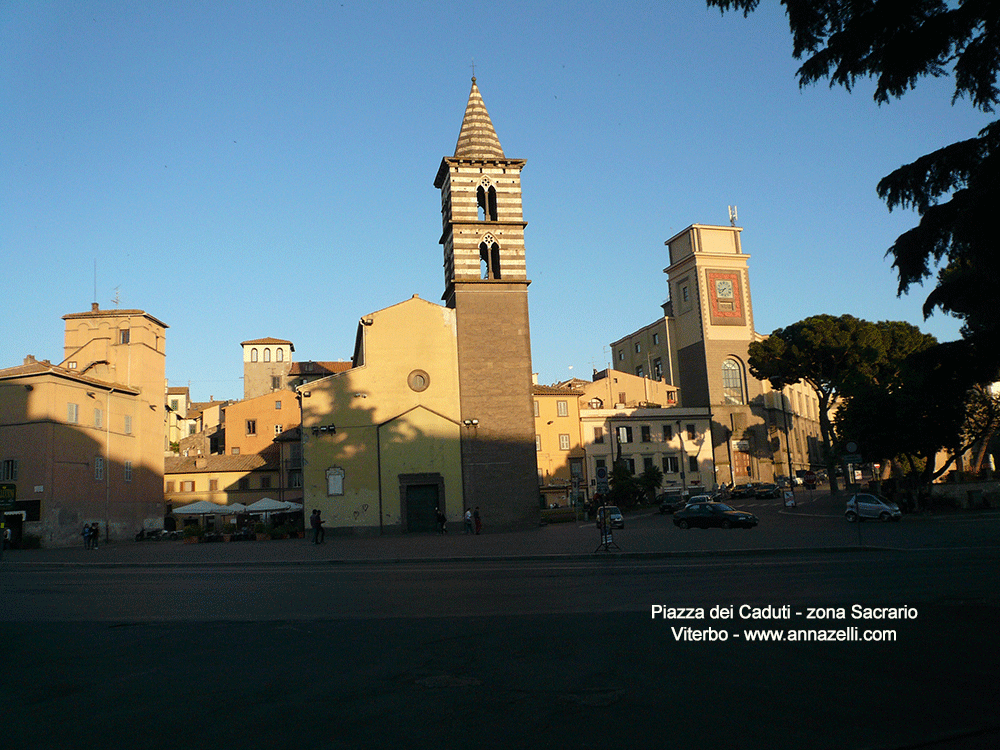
724,289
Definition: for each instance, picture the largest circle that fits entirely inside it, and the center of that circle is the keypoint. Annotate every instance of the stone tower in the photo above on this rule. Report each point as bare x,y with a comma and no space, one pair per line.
266,364
486,283
712,330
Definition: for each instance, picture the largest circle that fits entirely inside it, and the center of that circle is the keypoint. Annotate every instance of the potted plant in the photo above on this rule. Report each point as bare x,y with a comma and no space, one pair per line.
261,531
227,532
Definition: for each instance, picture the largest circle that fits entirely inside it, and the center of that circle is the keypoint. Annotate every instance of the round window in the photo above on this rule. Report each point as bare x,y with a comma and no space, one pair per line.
418,380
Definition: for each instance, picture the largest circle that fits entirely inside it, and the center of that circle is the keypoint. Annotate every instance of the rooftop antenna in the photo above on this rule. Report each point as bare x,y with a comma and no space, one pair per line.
732,216
95,280
117,298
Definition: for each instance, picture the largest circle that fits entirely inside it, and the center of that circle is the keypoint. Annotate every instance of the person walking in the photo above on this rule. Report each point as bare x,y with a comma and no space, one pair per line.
86,536
95,534
316,522
442,522
478,520
468,521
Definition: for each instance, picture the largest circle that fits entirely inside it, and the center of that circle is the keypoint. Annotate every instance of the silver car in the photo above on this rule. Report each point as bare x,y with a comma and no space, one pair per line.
865,506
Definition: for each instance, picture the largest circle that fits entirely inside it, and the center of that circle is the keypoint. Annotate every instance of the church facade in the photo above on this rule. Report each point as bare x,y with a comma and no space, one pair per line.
436,411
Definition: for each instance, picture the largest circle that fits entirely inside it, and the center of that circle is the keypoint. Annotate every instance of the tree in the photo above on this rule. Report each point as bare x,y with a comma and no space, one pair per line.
954,189
649,482
835,356
623,486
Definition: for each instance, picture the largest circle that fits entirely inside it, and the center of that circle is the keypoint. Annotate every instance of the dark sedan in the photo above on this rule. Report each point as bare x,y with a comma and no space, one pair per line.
704,515
762,491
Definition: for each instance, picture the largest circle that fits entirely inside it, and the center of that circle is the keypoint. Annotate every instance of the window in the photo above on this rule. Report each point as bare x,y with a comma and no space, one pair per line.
213,485
639,372
72,413
277,405
244,483
691,432
630,465
187,486
170,487
174,404
598,434
621,355
295,479
624,434
732,382
486,201
638,347
334,481
647,463
562,408
192,428
265,483
538,442
251,427
253,355
645,434
600,463
536,408
657,369
98,468
278,429
668,433
564,442
128,471
685,294
656,339
128,424
275,382
123,336
267,355
489,258
71,365
279,355
670,465
693,464
8,472
234,451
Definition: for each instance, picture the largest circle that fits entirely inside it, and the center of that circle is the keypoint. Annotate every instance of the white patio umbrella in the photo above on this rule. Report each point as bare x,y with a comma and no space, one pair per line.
235,509
201,508
266,506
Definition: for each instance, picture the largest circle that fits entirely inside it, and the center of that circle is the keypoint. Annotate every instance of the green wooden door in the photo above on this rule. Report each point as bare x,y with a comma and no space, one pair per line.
421,507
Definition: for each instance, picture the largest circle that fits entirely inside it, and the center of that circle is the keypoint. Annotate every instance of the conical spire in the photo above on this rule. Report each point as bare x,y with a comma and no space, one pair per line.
478,139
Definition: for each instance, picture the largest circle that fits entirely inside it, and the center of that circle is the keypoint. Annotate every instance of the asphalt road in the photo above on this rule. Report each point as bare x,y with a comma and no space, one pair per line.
304,649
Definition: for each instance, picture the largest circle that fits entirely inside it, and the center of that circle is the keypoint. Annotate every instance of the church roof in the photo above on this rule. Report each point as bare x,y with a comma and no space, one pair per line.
477,139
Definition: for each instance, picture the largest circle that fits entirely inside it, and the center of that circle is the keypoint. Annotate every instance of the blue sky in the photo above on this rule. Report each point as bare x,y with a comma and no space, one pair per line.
241,170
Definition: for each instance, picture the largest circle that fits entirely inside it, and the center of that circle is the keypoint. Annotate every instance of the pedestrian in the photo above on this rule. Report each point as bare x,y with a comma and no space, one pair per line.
95,534
442,522
86,536
468,521
316,522
478,520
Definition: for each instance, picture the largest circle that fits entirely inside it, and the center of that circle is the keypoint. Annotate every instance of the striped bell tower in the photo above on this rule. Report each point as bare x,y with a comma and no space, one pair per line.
486,283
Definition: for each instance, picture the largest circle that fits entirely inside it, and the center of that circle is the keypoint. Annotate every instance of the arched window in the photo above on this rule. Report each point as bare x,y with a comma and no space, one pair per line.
267,355
279,355
732,382
489,258
486,201
253,355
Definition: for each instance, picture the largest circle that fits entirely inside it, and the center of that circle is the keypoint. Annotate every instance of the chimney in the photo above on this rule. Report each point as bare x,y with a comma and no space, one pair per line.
94,307
30,359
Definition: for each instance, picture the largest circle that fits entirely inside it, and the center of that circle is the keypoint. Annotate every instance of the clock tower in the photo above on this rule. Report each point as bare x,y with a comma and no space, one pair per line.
487,285
712,328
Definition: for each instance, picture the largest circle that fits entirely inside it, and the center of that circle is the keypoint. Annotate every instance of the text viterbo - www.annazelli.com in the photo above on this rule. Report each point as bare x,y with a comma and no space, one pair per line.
810,621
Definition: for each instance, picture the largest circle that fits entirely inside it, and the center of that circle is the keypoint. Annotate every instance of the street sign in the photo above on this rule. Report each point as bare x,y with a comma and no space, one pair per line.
852,458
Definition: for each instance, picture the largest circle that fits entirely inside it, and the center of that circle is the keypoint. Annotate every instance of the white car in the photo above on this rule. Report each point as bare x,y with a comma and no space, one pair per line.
865,506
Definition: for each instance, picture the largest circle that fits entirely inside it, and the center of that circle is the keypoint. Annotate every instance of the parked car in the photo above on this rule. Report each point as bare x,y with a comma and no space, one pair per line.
614,516
704,515
742,490
866,506
762,491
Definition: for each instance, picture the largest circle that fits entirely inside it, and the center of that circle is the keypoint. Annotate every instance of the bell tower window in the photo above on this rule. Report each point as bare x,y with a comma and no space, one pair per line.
489,258
486,200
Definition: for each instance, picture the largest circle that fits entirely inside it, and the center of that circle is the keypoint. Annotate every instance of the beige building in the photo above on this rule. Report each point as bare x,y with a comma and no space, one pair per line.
223,480
82,441
562,478
253,424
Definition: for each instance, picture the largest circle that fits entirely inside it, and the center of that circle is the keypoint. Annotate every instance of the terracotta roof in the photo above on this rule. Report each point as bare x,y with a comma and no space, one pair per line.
214,463
45,367
477,139
268,341
549,390
319,368
96,312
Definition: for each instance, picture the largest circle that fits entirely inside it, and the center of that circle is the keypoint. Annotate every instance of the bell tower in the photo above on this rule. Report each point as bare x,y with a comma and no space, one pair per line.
486,283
